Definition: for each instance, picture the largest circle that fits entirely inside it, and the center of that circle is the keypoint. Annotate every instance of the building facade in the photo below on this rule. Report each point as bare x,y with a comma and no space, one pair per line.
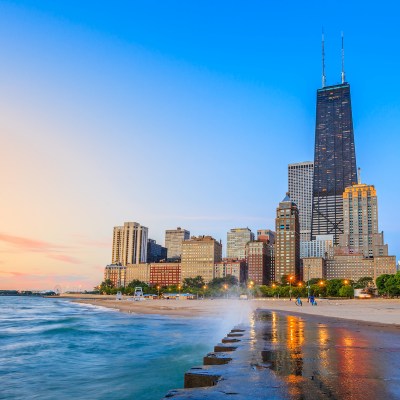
165,274
237,239
314,268
360,212
229,266
129,244
300,183
258,268
199,255
173,242
155,252
137,272
266,235
322,246
116,273
334,159
287,245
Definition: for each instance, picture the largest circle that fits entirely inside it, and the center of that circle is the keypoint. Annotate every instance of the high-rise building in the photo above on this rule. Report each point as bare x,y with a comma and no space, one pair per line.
334,159
155,252
361,234
173,242
322,246
199,255
237,239
300,182
259,263
118,238
287,245
266,235
129,244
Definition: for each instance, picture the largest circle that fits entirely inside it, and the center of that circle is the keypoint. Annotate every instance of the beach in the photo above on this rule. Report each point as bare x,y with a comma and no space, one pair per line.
380,311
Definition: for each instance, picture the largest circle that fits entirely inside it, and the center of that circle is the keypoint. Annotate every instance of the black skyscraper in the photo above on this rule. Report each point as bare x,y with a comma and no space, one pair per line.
334,158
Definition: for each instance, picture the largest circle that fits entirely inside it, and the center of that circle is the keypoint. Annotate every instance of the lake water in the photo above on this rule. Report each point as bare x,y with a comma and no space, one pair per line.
57,349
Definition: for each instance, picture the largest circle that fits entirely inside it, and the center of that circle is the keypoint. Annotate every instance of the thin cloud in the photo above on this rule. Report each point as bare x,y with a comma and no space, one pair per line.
64,258
29,244
50,250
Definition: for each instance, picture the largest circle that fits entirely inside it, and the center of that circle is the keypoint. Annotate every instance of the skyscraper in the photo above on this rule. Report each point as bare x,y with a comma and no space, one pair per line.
173,242
129,244
237,239
300,182
334,156
287,244
361,234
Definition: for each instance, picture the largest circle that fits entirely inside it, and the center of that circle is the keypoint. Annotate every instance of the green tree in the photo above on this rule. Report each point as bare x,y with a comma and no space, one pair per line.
346,291
392,285
194,283
364,282
333,286
381,283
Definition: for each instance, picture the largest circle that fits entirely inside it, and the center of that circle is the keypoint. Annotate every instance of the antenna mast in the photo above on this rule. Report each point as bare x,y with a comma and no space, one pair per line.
323,60
343,76
359,176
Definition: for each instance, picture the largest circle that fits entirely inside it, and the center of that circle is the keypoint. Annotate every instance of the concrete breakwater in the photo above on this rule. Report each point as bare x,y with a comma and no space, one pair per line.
284,356
235,368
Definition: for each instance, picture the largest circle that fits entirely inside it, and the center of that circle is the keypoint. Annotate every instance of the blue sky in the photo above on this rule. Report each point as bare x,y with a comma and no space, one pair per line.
175,114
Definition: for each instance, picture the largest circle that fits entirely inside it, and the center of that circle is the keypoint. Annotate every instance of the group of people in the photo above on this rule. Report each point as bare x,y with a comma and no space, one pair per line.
311,299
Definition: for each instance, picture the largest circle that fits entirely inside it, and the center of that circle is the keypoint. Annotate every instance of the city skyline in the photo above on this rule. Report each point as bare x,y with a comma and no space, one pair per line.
142,113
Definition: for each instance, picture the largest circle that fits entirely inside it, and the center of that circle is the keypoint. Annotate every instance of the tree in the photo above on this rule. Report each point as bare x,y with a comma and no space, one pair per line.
346,291
194,283
364,282
381,283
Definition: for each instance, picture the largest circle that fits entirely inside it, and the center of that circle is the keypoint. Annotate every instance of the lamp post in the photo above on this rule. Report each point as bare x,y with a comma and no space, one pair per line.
308,283
158,290
290,288
205,288
226,293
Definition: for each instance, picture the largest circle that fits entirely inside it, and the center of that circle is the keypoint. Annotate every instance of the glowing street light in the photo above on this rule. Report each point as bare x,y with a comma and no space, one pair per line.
158,289
290,287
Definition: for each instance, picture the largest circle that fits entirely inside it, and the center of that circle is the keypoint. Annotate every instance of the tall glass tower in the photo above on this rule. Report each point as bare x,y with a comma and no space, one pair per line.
334,155
334,159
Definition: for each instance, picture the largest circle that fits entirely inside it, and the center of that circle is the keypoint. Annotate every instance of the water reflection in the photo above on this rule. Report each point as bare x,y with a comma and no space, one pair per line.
319,361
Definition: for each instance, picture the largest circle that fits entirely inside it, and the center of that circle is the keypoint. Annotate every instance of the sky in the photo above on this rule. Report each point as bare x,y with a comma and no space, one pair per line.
175,113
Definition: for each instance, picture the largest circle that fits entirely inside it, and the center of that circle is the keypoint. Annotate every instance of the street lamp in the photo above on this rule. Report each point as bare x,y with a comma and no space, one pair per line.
158,289
308,283
205,288
179,288
226,293
290,287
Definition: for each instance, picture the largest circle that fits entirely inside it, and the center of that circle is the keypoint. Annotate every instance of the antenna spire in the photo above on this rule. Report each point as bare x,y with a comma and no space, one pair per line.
359,176
323,60
343,76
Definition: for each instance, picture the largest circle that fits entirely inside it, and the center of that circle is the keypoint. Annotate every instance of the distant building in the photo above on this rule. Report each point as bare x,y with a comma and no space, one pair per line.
360,213
236,242
229,266
165,274
173,242
129,244
287,246
116,273
199,255
266,235
155,252
322,246
348,265
259,266
314,267
137,272
300,182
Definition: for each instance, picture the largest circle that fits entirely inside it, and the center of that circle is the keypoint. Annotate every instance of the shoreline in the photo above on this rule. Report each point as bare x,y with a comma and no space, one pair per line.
372,311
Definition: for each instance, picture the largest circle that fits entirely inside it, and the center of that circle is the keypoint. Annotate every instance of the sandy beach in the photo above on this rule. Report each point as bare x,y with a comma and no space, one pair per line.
380,311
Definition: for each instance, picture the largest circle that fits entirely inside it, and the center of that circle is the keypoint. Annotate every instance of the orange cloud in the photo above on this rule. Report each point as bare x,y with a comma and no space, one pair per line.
64,258
50,250
29,244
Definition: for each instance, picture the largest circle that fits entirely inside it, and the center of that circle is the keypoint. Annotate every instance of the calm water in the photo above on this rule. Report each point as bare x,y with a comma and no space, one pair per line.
53,348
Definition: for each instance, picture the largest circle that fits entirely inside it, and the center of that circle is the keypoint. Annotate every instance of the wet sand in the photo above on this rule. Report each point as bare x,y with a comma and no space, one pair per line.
379,311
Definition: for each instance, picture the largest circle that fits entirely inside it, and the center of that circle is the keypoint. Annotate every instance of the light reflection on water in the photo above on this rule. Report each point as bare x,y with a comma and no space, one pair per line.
321,361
